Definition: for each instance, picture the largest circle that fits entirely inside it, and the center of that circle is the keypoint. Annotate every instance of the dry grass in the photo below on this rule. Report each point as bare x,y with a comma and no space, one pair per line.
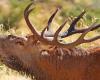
8,74
39,20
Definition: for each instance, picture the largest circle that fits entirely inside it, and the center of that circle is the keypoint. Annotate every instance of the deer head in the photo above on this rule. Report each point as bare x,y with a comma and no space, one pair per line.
49,59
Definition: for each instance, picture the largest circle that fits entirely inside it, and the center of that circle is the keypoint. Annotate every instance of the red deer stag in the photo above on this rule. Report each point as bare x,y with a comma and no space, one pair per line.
51,59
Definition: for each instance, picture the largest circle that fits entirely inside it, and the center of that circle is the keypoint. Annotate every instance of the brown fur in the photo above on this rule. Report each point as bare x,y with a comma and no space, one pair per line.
47,62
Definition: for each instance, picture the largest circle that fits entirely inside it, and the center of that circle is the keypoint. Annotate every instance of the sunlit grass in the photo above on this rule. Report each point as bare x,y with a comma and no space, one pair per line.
8,74
39,17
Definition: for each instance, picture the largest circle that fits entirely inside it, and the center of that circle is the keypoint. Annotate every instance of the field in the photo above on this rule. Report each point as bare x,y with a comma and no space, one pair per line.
12,22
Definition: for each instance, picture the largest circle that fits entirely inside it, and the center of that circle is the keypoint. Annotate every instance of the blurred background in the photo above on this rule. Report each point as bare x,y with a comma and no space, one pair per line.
12,21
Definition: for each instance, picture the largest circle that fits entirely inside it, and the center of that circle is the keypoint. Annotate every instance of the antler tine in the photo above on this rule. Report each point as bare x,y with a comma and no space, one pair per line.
81,39
51,18
92,39
49,21
27,8
80,31
57,32
72,26
26,15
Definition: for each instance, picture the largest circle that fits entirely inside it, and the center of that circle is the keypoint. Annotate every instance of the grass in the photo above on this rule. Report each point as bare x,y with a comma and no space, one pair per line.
8,74
17,26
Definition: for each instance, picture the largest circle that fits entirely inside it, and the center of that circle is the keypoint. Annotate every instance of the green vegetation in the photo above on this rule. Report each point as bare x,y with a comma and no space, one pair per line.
12,20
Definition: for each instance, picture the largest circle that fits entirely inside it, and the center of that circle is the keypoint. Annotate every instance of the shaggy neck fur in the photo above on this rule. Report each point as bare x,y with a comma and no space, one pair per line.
49,63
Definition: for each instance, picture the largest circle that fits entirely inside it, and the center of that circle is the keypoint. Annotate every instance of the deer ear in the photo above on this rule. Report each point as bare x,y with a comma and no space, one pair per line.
45,47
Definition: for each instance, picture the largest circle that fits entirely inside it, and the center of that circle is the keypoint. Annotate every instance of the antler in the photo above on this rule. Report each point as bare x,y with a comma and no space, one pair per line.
72,26
70,31
73,30
49,22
